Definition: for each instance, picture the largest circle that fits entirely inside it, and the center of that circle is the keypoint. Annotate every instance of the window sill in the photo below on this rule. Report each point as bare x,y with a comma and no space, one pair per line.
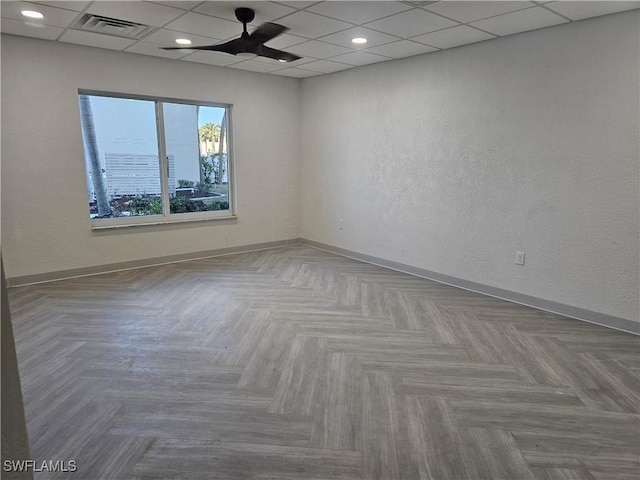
95,225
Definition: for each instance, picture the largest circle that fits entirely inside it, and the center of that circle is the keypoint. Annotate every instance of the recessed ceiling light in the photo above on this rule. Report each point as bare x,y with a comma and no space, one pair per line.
282,60
359,40
31,14
183,41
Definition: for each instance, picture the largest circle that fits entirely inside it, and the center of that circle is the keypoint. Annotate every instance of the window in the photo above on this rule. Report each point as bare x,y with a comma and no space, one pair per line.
154,160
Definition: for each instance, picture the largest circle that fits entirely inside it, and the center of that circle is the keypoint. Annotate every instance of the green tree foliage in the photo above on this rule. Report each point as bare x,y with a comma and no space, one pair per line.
152,205
209,132
206,167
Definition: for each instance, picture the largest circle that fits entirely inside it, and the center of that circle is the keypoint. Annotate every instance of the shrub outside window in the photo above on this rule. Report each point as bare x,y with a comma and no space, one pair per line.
152,160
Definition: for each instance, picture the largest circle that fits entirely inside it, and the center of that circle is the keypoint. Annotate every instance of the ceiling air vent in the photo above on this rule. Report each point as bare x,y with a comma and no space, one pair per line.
111,26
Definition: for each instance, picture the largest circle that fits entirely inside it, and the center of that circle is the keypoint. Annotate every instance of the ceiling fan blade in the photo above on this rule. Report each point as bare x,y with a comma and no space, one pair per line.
268,52
231,47
249,43
266,32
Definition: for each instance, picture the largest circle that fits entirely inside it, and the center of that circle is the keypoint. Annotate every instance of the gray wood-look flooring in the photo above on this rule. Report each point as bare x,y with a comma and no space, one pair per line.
295,363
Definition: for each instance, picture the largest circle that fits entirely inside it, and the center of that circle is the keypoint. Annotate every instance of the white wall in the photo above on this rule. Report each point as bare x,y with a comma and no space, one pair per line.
452,161
181,135
44,198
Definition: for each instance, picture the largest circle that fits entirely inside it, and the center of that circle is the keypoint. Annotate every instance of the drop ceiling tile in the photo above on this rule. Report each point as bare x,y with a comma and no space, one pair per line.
295,64
316,49
167,38
373,37
359,58
205,25
212,58
411,23
265,11
310,25
69,5
402,49
54,17
358,12
580,10
301,4
154,50
296,73
254,66
18,27
285,40
470,11
96,40
139,12
182,4
453,37
520,21
326,66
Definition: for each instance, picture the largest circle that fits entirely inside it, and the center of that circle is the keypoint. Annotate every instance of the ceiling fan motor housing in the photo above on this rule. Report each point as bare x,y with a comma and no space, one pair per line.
245,15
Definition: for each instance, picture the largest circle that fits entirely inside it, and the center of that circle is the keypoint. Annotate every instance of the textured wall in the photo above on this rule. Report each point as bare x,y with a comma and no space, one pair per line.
44,200
454,160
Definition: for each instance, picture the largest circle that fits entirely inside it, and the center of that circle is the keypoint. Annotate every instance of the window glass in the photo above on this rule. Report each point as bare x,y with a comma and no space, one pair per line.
121,156
197,157
138,168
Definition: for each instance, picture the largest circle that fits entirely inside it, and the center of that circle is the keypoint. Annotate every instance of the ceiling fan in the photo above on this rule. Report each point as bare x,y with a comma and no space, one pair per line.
250,43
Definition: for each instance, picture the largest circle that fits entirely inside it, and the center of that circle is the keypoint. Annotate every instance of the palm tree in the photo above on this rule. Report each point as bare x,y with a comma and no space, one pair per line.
91,146
209,133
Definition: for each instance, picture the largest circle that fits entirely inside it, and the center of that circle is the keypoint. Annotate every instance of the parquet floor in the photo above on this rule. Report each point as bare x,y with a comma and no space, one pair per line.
295,363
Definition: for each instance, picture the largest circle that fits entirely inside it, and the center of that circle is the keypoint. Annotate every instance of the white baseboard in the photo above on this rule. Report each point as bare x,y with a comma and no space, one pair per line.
602,319
147,262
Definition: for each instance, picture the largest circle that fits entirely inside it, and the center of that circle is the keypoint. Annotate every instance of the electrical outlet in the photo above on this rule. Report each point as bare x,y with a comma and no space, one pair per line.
340,225
520,258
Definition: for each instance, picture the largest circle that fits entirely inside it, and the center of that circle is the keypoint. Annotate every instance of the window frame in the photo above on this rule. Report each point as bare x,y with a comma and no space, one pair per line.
167,217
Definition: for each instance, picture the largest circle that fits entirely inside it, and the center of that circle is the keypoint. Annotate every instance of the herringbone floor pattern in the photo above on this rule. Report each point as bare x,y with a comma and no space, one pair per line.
295,363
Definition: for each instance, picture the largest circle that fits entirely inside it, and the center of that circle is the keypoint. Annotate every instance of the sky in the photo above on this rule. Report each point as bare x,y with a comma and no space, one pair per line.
209,115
